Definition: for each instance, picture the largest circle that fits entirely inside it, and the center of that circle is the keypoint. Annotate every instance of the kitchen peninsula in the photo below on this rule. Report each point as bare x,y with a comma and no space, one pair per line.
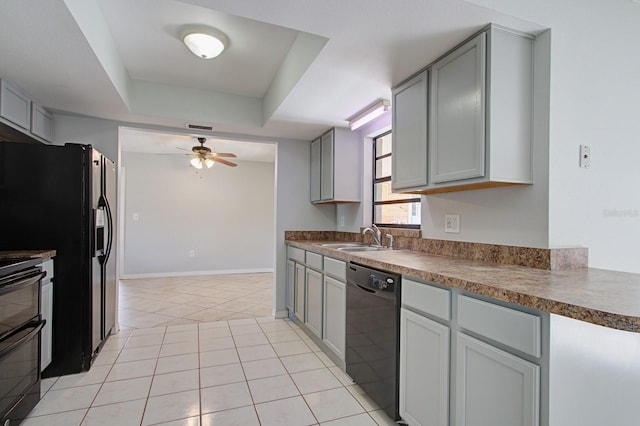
587,328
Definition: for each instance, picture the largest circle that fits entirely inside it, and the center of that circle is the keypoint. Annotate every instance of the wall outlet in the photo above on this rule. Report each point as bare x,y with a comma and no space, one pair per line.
192,253
452,223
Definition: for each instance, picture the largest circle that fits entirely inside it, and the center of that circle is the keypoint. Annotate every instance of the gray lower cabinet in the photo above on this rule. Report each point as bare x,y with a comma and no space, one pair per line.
494,387
335,304
299,291
424,370
470,361
314,301
291,284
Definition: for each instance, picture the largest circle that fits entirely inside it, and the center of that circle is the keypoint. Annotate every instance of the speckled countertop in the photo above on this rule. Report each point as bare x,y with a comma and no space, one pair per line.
27,254
598,296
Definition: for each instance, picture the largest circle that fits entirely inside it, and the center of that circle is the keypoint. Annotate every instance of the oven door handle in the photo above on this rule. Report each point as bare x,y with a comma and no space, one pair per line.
22,283
36,325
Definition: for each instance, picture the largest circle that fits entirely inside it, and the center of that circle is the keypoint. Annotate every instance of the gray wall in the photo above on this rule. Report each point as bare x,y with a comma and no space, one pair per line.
102,134
224,214
294,210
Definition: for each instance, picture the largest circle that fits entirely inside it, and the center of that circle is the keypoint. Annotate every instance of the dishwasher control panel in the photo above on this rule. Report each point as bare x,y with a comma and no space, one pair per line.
372,279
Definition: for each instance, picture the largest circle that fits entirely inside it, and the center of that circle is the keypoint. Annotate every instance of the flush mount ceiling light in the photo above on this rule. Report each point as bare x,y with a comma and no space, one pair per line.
374,110
204,42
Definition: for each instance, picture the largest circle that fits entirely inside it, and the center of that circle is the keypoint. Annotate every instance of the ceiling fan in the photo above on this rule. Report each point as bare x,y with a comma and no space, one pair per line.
204,156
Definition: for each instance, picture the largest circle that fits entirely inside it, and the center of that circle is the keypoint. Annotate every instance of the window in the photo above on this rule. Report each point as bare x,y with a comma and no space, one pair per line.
389,209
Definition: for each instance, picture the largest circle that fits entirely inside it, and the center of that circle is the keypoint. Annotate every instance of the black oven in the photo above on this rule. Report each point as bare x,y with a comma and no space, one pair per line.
20,325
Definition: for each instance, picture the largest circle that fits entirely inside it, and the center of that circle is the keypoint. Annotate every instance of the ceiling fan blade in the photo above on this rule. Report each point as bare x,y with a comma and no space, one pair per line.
182,149
225,162
223,154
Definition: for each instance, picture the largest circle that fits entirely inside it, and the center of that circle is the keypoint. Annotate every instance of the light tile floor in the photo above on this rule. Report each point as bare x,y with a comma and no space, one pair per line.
254,371
155,302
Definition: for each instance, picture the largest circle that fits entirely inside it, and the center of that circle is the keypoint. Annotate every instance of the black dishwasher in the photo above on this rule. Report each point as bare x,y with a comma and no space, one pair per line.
372,334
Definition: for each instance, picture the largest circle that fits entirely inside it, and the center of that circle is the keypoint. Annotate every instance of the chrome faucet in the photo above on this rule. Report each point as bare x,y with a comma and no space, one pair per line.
375,232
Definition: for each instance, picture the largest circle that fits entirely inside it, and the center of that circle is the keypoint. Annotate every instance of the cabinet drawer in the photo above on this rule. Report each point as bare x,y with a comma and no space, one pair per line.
296,254
314,260
426,298
513,328
335,268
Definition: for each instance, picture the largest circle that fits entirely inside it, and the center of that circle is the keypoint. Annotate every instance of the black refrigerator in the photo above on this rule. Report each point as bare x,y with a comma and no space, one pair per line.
62,198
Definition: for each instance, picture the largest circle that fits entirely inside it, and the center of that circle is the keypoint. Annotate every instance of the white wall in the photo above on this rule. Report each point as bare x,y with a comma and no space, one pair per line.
595,99
350,217
224,214
102,134
510,215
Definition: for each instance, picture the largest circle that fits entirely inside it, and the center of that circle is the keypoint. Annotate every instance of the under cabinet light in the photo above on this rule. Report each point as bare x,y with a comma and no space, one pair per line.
371,112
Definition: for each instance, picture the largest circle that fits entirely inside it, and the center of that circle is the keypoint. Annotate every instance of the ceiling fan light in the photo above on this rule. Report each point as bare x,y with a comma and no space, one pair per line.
197,163
205,46
209,162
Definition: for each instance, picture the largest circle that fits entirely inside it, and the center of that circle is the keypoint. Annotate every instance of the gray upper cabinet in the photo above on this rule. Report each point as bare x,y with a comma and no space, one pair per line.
457,113
327,167
316,149
479,116
23,114
41,122
14,106
336,167
409,168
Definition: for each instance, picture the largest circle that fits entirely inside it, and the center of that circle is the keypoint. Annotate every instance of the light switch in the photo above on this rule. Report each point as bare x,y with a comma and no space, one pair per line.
585,156
136,217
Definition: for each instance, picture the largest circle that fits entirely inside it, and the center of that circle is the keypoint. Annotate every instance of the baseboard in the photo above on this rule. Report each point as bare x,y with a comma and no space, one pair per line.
195,273
280,314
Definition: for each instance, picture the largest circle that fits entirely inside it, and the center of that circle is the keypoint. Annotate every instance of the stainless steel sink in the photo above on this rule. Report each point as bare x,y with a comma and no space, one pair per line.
341,245
363,248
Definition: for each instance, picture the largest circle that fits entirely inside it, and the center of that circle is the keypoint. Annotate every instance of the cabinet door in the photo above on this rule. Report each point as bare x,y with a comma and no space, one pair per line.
494,387
47,315
316,159
299,292
41,122
334,315
457,114
326,174
314,302
424,370
14,106
291,282
409,168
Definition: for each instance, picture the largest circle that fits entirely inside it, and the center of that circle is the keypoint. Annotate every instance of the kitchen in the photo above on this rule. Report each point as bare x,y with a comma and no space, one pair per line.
566,206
